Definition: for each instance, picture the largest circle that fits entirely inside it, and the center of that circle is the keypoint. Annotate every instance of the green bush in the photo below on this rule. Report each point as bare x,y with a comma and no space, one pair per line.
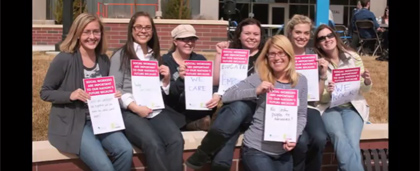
172,7
79,6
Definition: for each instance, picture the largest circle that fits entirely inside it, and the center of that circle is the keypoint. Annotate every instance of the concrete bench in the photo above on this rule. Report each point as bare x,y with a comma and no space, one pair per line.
46,157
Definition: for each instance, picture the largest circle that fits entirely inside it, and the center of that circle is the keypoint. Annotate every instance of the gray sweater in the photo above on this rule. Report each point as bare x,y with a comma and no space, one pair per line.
246,90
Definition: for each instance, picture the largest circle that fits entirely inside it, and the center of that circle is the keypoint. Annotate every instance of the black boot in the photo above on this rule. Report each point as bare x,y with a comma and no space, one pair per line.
218,167
211,143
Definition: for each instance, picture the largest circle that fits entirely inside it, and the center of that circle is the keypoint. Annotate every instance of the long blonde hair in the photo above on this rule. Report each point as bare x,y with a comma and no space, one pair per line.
263,68
72,40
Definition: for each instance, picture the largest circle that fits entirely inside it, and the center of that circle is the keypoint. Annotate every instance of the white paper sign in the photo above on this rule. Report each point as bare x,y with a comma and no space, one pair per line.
146,84
338,13
347,85
198,84
233,68
308,66
280,123
104,109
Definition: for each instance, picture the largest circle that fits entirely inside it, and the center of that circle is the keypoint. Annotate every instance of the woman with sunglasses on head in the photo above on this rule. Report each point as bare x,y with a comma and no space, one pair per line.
307,155
344,123
185,37
220,141
82,56
153,131
275,68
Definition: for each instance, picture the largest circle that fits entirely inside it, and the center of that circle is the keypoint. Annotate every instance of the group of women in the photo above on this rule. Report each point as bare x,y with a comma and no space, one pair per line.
158,132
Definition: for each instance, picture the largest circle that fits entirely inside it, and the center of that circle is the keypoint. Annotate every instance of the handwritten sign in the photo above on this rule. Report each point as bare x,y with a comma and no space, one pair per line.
347,85
104,109
280,123
308,66
198,84
146,84
233,68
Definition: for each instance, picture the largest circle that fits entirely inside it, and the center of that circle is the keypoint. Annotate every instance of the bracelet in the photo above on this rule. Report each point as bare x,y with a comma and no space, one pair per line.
323,78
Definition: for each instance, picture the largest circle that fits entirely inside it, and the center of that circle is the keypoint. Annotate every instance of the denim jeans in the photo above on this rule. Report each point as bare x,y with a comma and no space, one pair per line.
93,155
307,155
344,126
229,121
159,139
254,160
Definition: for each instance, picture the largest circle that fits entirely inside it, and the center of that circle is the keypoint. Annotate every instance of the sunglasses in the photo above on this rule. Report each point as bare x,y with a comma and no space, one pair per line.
187,39
323,38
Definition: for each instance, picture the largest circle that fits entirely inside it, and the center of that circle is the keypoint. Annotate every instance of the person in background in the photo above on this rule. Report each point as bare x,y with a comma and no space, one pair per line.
385,41
344,123
82,56
307,155
365,14
153,131
220,141
275,68
184,40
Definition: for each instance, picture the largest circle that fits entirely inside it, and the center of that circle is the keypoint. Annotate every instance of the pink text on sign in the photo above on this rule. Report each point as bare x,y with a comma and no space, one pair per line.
304,62
235,56
99,86
346,75
144,68
284,97
199,68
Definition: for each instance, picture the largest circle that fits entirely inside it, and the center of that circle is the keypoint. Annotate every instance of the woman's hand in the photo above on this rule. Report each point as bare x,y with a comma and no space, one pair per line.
323,67
117,94
181,71
142,111
164,70
221,45
264,87
79,94
330,87
288,146
214,101
366,76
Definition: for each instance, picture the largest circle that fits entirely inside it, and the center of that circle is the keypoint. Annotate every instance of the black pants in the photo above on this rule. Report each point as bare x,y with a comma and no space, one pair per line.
159,139
307,155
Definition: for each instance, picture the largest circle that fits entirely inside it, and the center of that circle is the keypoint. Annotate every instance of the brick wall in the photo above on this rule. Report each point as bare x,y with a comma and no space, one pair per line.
329,162
209,34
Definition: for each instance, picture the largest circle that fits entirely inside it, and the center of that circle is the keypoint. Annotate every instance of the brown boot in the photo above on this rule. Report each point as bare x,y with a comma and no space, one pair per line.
202,124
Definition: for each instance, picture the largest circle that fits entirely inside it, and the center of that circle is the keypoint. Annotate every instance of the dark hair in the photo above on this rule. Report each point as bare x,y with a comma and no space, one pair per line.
385,16
128,51
340,45
364,3
236,43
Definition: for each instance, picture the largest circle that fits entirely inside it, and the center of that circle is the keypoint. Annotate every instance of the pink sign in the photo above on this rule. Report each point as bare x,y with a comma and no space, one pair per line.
235,56
99,86
304,62
199,68
346,75
144,68
284,97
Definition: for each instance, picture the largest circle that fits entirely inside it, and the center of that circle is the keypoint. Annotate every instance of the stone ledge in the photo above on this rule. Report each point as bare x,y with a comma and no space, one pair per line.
43,151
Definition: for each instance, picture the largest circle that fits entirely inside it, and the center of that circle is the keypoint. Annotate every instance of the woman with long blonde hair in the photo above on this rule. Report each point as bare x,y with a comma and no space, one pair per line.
275,68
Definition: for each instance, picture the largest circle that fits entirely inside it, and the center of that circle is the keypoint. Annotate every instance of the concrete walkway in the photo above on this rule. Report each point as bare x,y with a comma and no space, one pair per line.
43,48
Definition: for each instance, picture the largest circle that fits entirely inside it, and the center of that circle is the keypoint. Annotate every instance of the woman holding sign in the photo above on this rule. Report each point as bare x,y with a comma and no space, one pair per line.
153,131
219,143
343,122
307,154
185,37
275,72
70,129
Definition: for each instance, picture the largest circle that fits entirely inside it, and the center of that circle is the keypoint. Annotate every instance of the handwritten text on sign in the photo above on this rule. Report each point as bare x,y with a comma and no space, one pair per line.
104,108
233,68
281,115
146,84
198,84
347,85
308,66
